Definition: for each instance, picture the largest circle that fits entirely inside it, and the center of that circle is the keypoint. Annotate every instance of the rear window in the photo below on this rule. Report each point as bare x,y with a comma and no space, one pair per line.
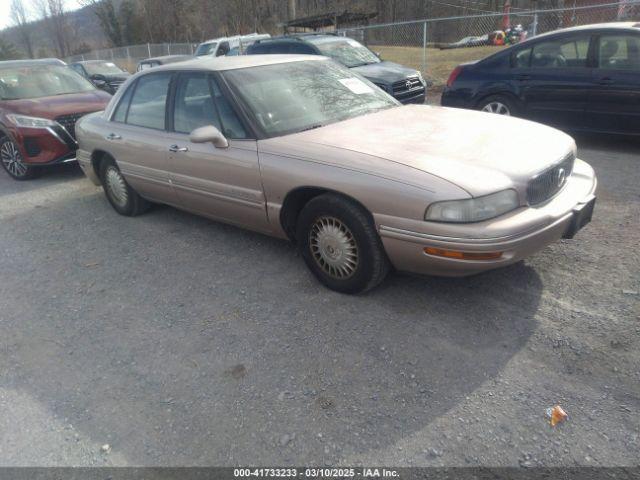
149,100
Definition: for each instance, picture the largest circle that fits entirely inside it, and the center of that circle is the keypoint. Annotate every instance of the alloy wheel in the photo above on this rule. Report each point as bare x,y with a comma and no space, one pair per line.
12,159
333,247
496,107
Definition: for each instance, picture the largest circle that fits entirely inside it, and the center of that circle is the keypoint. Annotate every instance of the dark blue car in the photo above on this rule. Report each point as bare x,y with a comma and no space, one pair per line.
582,78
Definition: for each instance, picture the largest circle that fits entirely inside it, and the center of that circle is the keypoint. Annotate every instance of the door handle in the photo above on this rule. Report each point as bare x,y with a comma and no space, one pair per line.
523,76
176,148
113,136
605,81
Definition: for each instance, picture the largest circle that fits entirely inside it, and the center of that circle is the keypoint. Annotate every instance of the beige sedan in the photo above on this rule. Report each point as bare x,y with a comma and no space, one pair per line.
301,148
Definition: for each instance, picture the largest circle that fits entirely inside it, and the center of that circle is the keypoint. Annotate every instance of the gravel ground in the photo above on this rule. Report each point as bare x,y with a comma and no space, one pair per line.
180,341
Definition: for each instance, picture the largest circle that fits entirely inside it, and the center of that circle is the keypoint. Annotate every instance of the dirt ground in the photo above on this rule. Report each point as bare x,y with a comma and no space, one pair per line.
180,341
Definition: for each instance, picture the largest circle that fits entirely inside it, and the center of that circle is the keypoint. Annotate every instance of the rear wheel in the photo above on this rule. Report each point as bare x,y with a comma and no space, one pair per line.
498,104
340,245
11,160
124,199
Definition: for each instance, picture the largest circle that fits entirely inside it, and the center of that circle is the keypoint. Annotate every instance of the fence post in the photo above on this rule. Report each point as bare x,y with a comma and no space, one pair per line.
424,48
128,56
149,50
168,49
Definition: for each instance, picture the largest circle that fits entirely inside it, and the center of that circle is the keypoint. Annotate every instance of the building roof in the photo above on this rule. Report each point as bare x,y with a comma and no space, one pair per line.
331,19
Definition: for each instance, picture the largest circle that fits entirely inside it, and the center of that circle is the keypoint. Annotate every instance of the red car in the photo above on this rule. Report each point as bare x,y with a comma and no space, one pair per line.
40,102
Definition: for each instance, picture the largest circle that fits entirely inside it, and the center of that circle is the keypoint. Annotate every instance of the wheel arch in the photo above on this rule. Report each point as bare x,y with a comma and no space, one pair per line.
97,156
296,199
496,93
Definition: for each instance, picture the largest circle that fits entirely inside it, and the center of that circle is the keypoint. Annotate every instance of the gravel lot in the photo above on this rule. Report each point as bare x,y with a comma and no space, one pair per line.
180,341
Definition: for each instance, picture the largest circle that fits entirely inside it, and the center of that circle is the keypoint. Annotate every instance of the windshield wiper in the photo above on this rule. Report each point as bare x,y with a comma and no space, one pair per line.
312,127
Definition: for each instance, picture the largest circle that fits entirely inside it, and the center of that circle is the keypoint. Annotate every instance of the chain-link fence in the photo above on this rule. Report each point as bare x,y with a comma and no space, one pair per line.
128,57
433,46
436,46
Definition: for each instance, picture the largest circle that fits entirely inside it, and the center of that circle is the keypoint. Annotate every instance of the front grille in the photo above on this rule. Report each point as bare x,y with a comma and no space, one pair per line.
547,184
69,122
408,87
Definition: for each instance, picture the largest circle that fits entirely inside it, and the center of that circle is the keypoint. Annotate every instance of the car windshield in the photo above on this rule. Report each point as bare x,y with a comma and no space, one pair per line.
40,81
206,49
106,68
346,51
291,97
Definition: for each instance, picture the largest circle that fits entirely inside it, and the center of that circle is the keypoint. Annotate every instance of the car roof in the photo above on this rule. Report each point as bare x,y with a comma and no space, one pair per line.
87,62
248,36
593,26
166,58
29,63
237,62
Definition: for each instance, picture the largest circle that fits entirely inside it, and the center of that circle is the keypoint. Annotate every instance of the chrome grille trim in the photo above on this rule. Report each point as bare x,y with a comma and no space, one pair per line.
550,182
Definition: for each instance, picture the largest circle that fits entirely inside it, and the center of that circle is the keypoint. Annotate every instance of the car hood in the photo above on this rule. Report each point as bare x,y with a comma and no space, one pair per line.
118,77
385,72
479,152
52,107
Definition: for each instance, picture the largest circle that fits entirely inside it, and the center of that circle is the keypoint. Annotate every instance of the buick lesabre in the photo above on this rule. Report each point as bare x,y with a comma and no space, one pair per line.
302,148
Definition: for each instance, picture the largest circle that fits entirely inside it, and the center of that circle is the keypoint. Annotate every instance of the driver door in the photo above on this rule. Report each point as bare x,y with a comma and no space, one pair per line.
555,86
220,183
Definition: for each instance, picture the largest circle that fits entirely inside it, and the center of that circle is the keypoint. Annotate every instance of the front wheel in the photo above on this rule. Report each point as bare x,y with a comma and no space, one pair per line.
124,199
11,160
498,104
340,245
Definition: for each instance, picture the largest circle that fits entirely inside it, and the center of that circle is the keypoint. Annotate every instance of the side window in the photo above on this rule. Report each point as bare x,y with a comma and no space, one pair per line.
120,114
561,53
149,100
223,49
619,52
301,48
194,106
199,102
521,58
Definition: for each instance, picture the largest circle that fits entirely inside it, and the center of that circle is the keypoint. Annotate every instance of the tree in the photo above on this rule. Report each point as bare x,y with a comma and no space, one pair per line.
108,18
56,22
20,18
8,50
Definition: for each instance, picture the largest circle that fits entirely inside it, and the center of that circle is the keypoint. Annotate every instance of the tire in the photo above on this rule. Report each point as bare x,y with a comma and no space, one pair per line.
11,160
124,199
340,245
499,104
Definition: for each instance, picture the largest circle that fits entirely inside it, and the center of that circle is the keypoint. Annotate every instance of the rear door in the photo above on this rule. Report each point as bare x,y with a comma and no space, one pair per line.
614,102
221,183
136,136
555,85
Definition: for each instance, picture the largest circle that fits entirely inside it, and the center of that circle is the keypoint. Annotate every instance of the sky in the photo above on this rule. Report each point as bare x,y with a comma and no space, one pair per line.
5,8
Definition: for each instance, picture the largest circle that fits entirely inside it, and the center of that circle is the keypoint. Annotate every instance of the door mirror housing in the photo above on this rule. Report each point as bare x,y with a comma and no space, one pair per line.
209,134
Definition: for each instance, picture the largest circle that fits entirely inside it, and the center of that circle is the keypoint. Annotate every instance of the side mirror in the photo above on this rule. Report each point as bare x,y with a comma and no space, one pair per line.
98,80
209,134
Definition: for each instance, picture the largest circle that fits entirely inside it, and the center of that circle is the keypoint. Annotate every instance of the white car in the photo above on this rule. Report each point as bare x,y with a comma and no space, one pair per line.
218,47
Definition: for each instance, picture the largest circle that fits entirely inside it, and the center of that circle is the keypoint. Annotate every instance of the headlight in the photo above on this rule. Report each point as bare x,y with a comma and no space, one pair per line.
473,209
421,78
30,122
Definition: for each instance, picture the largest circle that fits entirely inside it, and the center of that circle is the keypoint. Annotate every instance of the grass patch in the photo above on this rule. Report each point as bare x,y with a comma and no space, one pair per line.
439,62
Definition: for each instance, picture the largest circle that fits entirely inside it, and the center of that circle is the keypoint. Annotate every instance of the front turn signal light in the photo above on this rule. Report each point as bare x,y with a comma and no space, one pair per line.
440,252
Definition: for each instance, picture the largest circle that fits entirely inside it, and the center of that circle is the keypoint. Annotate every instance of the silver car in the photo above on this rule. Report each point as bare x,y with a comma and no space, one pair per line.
302,148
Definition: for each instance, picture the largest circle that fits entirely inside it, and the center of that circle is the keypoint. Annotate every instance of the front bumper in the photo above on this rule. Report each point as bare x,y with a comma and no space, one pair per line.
44,146
521,233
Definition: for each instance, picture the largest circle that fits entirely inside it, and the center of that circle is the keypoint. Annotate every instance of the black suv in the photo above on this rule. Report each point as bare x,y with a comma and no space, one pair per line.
106,76
405,84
